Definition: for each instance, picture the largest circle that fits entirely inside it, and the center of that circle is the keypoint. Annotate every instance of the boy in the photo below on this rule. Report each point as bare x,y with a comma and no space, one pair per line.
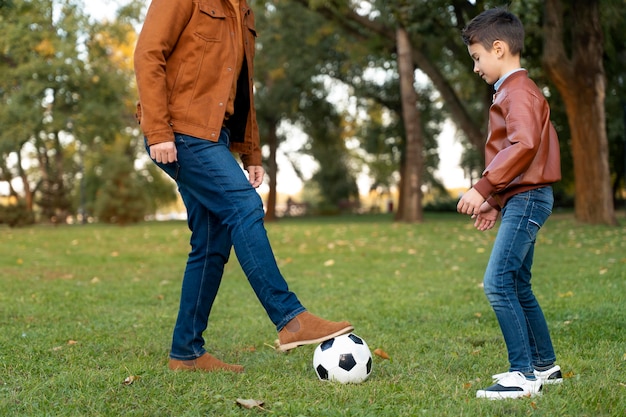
522,161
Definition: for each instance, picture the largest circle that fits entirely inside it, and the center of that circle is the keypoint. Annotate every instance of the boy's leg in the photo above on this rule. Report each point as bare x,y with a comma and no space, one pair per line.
513,243
538,333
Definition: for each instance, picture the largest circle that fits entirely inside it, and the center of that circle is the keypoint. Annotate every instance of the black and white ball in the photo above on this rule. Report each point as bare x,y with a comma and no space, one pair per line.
346,359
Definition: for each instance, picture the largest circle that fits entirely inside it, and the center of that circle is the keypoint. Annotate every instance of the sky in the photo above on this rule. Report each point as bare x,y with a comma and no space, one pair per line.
287,181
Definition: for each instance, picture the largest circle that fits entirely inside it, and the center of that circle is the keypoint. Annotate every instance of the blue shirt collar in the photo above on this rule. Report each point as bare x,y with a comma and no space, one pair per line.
504,77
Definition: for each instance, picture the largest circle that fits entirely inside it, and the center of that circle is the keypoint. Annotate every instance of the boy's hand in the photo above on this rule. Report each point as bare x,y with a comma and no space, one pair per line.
486,218
470,203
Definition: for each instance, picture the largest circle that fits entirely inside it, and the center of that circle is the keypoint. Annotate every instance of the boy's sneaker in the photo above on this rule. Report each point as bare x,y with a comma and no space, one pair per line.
550,376
511,385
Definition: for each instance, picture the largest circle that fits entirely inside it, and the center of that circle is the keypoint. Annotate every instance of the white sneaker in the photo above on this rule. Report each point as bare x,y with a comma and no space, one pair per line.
550,376
510,385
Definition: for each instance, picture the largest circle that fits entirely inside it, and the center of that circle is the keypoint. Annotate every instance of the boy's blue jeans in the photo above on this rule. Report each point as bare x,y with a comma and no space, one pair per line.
507,281
223,211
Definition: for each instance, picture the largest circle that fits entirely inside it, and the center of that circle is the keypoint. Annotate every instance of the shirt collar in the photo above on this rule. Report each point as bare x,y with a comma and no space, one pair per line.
504,77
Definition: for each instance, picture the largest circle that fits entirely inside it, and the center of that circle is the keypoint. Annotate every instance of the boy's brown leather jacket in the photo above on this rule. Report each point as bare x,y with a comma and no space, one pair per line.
522,149
184,65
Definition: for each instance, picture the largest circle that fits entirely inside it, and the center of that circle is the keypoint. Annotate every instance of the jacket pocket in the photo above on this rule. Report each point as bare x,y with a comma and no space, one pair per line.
211,22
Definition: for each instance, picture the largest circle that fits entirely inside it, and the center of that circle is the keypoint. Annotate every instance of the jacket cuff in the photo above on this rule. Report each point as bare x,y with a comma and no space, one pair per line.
152,138
251,160
484,188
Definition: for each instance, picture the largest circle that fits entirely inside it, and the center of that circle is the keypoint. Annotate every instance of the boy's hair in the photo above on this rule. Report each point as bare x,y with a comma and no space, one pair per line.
492,25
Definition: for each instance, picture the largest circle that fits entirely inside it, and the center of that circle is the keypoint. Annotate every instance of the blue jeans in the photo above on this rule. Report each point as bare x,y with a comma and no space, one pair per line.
223,211
507,281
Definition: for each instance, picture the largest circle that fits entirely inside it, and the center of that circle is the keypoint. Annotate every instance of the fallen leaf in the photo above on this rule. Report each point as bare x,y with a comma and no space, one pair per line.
250,403
533,405
381,353
467,385
72,342
131,379
569,374
329,262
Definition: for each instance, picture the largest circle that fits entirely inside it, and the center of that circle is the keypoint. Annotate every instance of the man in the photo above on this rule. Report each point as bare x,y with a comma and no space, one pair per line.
194,69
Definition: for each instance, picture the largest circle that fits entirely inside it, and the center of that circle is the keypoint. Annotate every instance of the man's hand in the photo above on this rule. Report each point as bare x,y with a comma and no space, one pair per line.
255,175
164,152
470,203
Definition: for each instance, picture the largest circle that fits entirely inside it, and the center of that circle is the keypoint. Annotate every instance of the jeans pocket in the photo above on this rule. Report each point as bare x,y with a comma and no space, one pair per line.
536,219
172,169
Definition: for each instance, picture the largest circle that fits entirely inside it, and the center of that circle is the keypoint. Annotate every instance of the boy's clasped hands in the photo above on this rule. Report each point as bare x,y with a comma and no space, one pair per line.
474,204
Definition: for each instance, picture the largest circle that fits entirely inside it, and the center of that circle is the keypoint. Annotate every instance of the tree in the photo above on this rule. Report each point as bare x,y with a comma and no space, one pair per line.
293,58
410,206
581,81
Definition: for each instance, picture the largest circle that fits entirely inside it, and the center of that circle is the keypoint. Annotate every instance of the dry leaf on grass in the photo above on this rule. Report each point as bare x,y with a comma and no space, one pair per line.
381,353
250,403
131,379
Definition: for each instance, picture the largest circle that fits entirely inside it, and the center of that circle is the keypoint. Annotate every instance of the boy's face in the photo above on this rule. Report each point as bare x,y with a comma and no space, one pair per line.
487,63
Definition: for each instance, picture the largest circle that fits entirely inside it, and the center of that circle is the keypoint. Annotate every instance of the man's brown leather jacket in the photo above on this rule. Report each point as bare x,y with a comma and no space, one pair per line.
185,65
522,149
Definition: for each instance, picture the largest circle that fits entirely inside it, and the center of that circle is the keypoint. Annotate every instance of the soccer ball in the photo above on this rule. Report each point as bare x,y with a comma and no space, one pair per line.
346,359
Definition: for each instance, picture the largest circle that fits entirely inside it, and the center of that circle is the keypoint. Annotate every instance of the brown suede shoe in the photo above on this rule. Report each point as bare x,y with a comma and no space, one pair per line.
307,329
205,363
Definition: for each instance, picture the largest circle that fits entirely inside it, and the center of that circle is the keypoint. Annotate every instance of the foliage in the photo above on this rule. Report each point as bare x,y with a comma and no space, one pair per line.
88,309
293,91
67,94
16,215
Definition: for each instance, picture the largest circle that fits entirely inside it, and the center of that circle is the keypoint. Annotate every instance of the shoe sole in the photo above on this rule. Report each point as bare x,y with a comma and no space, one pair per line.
553,381
289,346
504,395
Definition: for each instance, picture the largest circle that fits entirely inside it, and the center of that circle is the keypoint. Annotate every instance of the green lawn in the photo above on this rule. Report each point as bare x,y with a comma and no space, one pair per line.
82,308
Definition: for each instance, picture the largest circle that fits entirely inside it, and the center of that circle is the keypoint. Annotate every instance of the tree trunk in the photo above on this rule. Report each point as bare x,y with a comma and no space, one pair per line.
272,170
28,193
580,80
410,206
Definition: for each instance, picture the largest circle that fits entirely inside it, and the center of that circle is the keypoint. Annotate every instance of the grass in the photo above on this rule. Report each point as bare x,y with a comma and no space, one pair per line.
82,308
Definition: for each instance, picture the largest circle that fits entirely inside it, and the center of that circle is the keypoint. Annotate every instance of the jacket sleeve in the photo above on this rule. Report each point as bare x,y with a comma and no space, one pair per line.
164,23
523,137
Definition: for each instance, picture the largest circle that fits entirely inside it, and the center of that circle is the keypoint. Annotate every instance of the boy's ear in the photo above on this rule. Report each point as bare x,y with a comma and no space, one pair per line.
499,47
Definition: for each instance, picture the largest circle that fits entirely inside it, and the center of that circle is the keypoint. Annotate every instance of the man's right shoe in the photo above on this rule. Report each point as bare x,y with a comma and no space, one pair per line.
511,385
307,329
206,362
550,376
